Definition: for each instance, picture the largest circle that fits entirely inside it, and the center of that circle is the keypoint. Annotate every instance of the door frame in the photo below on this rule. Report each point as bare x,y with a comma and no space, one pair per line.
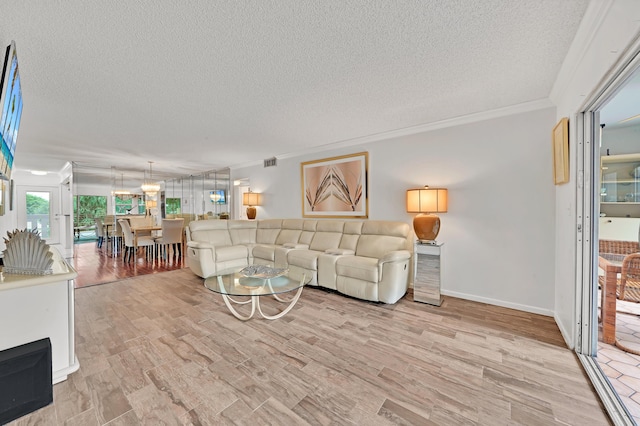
54,209
587,145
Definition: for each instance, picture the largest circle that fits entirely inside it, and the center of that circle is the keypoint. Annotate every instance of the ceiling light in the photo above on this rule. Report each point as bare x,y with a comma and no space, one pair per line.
150,188
38,172
121,191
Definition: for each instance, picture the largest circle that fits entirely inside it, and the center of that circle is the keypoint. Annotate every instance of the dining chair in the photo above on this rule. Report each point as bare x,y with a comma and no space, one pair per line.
172,231
129,247
99,231
629,282
116,237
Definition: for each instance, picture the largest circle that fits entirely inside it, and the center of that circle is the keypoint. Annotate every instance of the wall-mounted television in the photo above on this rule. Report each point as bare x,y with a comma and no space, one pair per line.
11,104
217,196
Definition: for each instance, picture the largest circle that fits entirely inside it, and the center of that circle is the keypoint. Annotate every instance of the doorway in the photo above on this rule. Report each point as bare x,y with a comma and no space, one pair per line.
37,209
608,154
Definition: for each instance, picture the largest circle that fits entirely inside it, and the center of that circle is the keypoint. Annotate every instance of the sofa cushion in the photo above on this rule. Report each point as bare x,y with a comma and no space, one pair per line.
224,254
308,231
242,231
328,235
306,259
210,231
361,268
268,230
380,237
290,232
264,252
340,251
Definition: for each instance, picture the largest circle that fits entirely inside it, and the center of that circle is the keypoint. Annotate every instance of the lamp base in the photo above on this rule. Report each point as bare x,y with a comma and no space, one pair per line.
426,227
251,212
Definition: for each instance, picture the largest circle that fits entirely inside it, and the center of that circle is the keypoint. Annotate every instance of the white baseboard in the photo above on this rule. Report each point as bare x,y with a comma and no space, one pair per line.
517,306
565,334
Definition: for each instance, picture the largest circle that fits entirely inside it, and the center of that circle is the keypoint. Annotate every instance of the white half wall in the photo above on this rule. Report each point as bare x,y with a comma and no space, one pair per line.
499,231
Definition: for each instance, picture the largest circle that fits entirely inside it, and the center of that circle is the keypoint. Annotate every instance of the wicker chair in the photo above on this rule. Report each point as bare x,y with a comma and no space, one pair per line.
618,247
629,282
628,287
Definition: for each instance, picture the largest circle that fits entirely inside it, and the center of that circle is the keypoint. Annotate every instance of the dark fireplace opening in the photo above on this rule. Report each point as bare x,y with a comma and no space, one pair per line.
25,379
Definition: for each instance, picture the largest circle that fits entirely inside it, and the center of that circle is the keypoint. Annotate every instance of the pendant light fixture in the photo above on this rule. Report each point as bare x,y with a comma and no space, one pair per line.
150,188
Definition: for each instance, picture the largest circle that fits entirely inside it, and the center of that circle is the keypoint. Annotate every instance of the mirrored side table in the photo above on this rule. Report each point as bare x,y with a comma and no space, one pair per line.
427,259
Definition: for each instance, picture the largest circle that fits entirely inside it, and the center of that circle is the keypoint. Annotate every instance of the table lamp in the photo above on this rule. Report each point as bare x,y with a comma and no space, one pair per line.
426,201
251,199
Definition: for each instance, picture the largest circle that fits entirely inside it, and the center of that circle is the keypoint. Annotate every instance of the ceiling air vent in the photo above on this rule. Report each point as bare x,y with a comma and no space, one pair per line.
271,162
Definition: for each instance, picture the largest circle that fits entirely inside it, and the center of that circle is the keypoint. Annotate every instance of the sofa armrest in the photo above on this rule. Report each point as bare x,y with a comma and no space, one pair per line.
200,245
395,256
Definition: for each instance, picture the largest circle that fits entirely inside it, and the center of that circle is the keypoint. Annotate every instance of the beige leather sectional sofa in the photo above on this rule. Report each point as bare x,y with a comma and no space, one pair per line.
367,259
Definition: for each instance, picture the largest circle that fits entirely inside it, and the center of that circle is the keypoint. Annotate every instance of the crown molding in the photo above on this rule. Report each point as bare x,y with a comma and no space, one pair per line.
421,128
592,20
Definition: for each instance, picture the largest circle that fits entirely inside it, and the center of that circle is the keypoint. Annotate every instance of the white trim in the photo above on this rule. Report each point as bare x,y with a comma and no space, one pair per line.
61,375
496,302
421,128
566,335
592,20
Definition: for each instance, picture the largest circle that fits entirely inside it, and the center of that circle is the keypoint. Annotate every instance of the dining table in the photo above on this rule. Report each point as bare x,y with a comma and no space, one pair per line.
138,231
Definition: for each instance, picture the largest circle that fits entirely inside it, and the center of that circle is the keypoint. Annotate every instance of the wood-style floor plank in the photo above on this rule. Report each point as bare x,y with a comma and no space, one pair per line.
162,349
101,265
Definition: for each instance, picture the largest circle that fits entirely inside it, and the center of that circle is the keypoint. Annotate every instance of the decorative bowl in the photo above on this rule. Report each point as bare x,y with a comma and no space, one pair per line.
262,271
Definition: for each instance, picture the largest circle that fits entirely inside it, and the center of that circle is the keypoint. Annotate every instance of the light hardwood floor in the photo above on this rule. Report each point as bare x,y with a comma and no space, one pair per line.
161,349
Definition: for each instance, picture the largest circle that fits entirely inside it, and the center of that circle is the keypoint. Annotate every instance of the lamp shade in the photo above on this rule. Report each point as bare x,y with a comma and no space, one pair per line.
427,201
250,199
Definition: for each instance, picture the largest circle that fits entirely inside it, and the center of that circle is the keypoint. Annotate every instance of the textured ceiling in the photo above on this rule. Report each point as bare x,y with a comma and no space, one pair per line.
204,84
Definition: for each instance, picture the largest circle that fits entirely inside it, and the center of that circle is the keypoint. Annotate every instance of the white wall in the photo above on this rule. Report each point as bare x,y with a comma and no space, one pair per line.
499,231
604,35
621,140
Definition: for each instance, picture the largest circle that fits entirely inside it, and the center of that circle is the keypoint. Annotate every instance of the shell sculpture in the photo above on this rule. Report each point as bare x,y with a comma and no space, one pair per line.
27,253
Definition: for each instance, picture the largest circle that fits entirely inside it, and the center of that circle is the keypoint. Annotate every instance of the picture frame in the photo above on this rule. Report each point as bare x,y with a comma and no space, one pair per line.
336,186
560,141
3,192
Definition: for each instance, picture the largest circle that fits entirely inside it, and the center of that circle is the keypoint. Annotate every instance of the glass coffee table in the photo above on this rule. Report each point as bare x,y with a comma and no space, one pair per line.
255,281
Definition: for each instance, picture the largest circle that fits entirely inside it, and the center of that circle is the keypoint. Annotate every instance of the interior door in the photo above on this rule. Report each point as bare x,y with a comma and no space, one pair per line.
38,208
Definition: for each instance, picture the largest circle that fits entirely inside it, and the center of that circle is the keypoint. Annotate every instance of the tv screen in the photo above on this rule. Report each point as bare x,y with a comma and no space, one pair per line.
11,103
217,196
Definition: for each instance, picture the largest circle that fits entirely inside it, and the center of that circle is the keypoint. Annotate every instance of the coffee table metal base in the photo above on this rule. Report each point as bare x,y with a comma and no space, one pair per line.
255,303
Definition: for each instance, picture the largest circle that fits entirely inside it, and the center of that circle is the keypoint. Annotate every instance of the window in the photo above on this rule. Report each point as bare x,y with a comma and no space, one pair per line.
123,204
38,212
87,207
172,206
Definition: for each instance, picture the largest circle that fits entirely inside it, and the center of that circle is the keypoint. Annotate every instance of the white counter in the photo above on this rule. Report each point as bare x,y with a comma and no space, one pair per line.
619,228
34,307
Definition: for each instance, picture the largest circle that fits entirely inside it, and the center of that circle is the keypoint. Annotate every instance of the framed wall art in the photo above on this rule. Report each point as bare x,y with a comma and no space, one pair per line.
560,138
336,186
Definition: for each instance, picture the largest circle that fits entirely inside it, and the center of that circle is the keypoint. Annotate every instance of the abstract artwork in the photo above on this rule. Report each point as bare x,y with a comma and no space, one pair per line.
335,187
560,138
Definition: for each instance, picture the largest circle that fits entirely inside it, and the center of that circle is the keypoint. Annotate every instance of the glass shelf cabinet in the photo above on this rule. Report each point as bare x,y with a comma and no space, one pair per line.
620,179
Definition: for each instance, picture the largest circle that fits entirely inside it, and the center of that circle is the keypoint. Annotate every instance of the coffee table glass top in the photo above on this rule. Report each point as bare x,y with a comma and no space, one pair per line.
233,283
